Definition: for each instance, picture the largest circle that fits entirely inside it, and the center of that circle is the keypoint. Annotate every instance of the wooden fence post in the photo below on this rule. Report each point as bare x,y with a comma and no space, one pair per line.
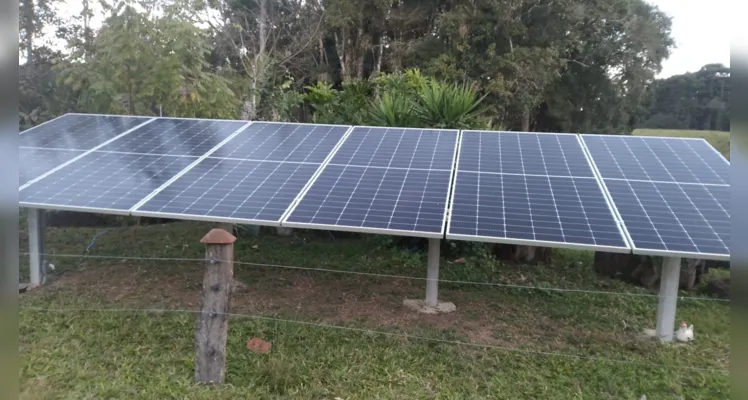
211,332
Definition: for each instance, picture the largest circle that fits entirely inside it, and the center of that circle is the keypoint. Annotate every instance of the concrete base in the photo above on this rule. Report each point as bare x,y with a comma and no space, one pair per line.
421,307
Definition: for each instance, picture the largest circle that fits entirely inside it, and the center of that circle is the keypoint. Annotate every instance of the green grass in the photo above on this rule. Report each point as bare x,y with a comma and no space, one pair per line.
719,139
150,355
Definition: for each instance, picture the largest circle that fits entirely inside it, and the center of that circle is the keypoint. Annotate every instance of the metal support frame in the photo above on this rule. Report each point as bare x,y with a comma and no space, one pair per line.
668,300
37,262
432,275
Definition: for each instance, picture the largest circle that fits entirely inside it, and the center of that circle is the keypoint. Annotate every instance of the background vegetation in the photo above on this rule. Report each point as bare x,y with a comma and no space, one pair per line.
561,65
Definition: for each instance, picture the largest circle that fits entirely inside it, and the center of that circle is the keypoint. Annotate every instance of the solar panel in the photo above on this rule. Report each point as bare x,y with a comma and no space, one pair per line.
221,189
35,162
284,142
382,180
175,136
657,159
531,189
673,194
102,181
252,178
78,131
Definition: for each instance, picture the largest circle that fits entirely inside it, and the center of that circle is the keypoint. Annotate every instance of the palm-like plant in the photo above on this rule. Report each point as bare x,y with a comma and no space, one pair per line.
448,106
394,110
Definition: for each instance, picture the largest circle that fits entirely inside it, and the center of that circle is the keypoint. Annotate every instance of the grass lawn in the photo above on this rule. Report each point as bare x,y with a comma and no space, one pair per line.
719,139
523,343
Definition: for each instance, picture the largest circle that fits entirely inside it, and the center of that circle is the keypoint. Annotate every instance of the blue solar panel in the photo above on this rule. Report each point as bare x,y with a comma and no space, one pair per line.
397,148
236,190
670,217
377,198
283,142
35,162
657,159
530,188
671,193
78,131
103,181
253,177
524,154
180,137
385,180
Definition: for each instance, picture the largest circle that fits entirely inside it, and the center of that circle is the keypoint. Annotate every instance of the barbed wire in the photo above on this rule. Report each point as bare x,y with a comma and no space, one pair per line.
383,333
393,276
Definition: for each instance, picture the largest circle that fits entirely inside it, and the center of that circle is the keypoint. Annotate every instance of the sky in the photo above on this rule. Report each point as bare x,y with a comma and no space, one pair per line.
701,29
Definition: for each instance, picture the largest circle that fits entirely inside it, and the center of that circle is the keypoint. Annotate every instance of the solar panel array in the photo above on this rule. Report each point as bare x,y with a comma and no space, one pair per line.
529,188
672,194
657,196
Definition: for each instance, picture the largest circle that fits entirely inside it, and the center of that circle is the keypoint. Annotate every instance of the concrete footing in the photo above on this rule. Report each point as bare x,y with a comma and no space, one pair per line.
422,307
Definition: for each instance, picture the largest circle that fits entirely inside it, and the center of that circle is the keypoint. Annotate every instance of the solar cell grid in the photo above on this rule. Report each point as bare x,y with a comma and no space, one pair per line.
672,217
385,180
103,181
376,198
285,142
657,159
237,190
172,136
397,148
671,193
530,188
35,162
78,131
523,153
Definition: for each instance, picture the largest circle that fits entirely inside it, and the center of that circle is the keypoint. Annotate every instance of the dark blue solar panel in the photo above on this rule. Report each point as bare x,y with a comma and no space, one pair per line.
78,131
376,198
674,217
36,162
182,137
533,208
523,153
398,148
264,141
530,188
672,193
387,180
657,159
100,180
232,189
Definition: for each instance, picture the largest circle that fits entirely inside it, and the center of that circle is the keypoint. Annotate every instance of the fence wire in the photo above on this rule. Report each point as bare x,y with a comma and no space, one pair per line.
390,276
383,333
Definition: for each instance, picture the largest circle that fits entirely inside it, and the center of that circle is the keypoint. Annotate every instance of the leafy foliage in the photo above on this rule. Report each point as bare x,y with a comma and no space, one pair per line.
448,106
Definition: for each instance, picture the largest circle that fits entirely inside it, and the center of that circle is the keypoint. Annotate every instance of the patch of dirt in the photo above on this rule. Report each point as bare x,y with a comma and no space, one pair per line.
364,301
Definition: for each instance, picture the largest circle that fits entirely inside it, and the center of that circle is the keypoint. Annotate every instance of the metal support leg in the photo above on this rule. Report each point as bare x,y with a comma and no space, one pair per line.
432,276
668,301
37,262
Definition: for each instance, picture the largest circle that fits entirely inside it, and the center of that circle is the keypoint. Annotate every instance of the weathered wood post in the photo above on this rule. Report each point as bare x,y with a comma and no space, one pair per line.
211,332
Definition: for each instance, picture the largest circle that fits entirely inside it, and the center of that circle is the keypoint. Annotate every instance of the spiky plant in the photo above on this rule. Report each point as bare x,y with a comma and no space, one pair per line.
448,106
392,110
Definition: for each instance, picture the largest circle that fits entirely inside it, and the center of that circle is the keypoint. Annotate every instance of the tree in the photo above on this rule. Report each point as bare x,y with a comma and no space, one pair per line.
697,100
141,64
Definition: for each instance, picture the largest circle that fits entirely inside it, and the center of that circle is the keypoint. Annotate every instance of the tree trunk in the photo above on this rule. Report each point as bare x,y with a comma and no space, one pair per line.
526,119
361,47
342,57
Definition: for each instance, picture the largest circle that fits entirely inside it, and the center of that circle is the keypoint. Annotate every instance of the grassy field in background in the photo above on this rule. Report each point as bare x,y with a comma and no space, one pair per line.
719,139
597,351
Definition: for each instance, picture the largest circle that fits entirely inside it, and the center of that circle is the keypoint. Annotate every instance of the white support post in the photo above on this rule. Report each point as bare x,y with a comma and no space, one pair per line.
432,275
37,262
668,301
